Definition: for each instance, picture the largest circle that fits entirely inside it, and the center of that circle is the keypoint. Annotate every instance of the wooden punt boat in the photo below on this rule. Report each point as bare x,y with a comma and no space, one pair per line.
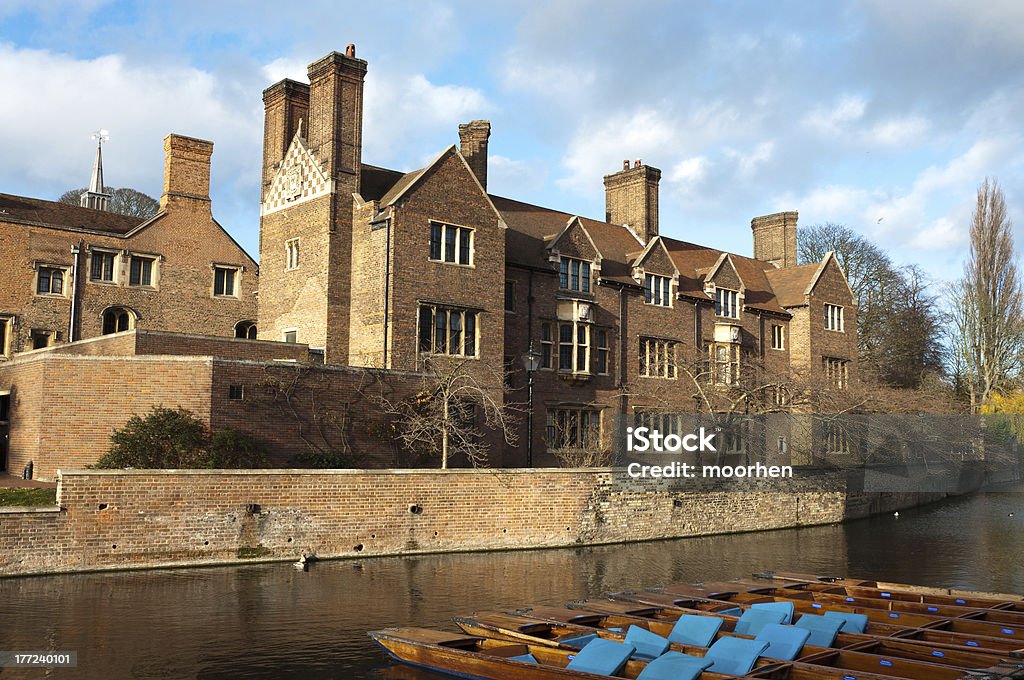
806,606
831,663
902,591
480,657
933,634
740,586
964,658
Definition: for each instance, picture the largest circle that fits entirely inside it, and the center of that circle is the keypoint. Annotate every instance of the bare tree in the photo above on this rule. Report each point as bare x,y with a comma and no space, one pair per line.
460,402
987,303
123,201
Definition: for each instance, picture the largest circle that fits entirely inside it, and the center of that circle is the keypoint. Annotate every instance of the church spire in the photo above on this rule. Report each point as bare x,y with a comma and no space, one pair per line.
96,196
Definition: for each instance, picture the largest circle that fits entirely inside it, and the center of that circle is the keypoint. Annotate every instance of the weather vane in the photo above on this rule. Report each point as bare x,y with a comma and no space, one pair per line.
101,136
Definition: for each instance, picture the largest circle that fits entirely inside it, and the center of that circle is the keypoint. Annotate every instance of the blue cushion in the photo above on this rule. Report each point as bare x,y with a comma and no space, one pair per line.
604,657
648,645
823,629
753,620
617,629
691,629
525,658
734,656
731,611
674,666
578,641
784,642
784,607
855,623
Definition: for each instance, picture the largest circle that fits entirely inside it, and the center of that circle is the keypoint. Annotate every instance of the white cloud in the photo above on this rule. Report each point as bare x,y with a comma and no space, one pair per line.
747,164
833,120
536,73
689,173
510,177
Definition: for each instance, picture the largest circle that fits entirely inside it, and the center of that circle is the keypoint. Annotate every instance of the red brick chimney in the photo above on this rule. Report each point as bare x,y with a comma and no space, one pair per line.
336,115
186,169
631,197
473,145
284,104
775,238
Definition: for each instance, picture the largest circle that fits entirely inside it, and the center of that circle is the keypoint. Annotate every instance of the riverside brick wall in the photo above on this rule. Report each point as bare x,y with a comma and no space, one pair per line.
132,519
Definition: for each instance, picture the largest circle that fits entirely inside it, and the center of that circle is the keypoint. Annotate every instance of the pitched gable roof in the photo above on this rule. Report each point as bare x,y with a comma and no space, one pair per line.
792,284
37,212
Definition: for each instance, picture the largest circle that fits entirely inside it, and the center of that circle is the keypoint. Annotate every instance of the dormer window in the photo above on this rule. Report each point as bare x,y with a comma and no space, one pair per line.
574,274
727,303
656,290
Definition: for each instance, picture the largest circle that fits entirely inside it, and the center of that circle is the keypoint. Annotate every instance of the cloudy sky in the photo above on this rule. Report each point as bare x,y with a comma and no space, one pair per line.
879,115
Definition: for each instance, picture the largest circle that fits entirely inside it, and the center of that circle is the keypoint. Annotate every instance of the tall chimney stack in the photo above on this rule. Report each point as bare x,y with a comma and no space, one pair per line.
631,197
775,238
336,115
473,145
186,169
285,104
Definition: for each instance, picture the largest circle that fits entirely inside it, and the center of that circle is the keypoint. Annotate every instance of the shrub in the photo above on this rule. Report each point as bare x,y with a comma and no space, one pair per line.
165,438
231,449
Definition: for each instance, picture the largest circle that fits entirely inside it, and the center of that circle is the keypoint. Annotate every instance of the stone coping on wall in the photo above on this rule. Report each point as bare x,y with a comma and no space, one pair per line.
29,510
336,472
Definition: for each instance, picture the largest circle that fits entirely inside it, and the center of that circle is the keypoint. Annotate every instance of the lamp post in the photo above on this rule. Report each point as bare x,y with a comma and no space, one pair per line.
531,361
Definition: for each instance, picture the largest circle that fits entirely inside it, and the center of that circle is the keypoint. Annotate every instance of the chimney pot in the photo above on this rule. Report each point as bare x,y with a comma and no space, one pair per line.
350,51
625,164
636,163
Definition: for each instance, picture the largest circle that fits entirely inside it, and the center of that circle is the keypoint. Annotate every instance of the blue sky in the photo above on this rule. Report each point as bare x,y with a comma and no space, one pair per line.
882,116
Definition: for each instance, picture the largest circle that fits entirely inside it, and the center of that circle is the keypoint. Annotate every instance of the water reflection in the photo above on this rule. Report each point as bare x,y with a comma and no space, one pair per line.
273,621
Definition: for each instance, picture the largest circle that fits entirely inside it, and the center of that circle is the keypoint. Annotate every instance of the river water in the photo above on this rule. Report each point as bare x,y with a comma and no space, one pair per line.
272,621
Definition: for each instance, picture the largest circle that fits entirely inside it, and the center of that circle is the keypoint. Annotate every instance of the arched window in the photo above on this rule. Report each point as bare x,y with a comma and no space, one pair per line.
245,329
117,319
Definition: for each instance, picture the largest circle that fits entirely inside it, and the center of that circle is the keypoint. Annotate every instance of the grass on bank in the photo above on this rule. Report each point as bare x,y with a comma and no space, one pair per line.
27,497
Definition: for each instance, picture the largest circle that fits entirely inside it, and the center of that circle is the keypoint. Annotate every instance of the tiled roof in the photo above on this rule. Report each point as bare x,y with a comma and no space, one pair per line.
790,284
64,216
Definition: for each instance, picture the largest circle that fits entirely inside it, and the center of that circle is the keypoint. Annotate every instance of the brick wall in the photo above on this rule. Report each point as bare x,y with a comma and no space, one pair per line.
111,520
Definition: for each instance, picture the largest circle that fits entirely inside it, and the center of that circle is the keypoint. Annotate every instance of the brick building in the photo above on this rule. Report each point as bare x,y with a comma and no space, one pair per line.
380,274
378,268
75,272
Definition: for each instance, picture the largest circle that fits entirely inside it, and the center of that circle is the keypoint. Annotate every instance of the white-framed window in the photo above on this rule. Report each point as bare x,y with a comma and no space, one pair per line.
117,319
102,266
451,244
290,335
727,303
43,338
835,370
725,363
665,423
836,440
6,335
225,281
50,280
141,271
246,330
291,254
574,274
448,330
658,358
833,318
572,428
601,367
547,344
656,290
574,347
778,336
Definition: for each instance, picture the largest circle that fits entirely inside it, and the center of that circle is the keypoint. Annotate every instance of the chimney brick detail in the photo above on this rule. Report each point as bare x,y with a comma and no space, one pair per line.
473,145
631,197
285,104
186,168
775,238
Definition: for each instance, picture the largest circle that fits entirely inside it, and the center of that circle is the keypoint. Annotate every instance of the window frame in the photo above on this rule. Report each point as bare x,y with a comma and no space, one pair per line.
292,254
6,335
50,270
658,290
575,270
730,367
236,280
446,336
603,351
510,296
142,258
778,340
118,311
835,318
578,340
732,303
836,371
565,417
114,256
448,239
664,353
547,344
294,332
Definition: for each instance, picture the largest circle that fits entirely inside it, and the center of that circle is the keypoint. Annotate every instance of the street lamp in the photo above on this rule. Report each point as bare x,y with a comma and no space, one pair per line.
531,361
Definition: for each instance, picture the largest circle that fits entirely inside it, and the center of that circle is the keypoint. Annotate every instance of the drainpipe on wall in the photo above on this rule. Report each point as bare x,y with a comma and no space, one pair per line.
387,286
529,309
76,250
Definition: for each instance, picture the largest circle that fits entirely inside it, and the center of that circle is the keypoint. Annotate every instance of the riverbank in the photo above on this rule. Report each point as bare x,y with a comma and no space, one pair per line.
109,520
